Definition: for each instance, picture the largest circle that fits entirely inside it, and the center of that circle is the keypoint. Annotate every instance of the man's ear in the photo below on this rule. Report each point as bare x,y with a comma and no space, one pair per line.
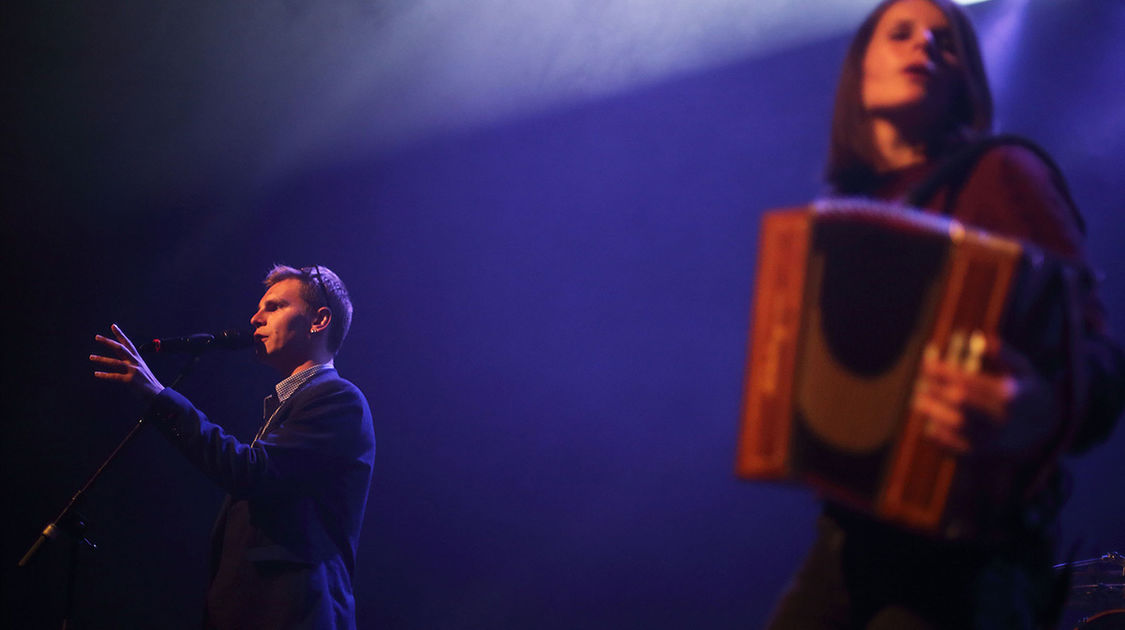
321,319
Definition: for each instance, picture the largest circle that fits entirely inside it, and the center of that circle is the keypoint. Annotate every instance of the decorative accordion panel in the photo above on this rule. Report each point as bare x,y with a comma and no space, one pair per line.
849,295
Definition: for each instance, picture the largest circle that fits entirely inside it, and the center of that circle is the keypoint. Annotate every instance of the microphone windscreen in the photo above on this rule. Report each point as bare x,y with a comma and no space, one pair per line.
234,339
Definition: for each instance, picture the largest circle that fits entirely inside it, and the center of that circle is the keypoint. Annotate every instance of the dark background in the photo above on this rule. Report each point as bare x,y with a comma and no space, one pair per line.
551,300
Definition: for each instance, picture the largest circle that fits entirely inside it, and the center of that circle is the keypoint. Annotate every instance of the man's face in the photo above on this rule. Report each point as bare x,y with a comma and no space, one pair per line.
283,326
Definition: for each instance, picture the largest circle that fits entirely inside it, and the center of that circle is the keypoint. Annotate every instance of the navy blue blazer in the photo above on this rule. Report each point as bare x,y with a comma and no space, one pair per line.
283,550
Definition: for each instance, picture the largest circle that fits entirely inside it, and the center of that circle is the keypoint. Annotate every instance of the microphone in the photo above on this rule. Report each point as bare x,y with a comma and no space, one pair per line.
194,344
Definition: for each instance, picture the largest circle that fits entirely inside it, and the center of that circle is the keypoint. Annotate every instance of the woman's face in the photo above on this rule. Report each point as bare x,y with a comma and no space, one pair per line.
910,61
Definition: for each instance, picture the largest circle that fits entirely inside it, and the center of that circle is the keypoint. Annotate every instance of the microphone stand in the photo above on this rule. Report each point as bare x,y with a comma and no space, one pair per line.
71,522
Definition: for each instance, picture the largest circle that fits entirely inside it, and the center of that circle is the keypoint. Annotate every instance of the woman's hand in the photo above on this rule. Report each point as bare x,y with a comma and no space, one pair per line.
1005,407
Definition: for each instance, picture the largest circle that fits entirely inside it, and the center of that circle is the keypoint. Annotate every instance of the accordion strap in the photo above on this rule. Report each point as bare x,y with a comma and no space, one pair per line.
953,171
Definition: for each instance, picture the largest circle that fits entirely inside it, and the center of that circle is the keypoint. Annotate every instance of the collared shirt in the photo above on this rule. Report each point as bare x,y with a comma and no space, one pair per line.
286,388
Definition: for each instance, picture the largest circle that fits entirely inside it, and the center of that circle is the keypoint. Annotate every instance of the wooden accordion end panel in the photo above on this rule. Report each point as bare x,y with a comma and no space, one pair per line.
849,294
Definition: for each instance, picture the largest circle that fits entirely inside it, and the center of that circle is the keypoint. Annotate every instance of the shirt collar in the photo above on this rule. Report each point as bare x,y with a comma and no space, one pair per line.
292,383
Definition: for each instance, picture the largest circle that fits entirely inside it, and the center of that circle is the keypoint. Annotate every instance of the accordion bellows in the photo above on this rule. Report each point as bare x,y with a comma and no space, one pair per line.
849,295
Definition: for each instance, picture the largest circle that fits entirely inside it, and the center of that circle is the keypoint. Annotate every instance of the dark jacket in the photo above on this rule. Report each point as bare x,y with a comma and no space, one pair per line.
283,550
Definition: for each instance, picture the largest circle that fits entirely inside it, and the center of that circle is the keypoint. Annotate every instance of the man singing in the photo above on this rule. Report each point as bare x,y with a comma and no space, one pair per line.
283,549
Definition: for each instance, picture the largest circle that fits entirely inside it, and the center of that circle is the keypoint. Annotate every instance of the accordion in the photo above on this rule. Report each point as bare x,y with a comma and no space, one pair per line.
849,295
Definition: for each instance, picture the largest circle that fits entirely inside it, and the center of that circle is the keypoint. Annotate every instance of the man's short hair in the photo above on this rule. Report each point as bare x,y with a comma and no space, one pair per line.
320,286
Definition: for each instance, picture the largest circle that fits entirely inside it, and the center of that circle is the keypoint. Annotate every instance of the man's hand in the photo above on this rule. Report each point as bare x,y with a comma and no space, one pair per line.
128,367
1006,408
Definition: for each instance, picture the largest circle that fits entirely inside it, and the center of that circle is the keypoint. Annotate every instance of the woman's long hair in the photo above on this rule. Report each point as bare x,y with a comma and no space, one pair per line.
851,152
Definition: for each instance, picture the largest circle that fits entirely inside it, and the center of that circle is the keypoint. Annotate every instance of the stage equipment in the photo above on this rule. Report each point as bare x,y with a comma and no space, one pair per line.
1097,590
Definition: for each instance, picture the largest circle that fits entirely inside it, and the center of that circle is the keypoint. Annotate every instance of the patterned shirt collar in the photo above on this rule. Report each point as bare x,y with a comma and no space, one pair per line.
291,384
